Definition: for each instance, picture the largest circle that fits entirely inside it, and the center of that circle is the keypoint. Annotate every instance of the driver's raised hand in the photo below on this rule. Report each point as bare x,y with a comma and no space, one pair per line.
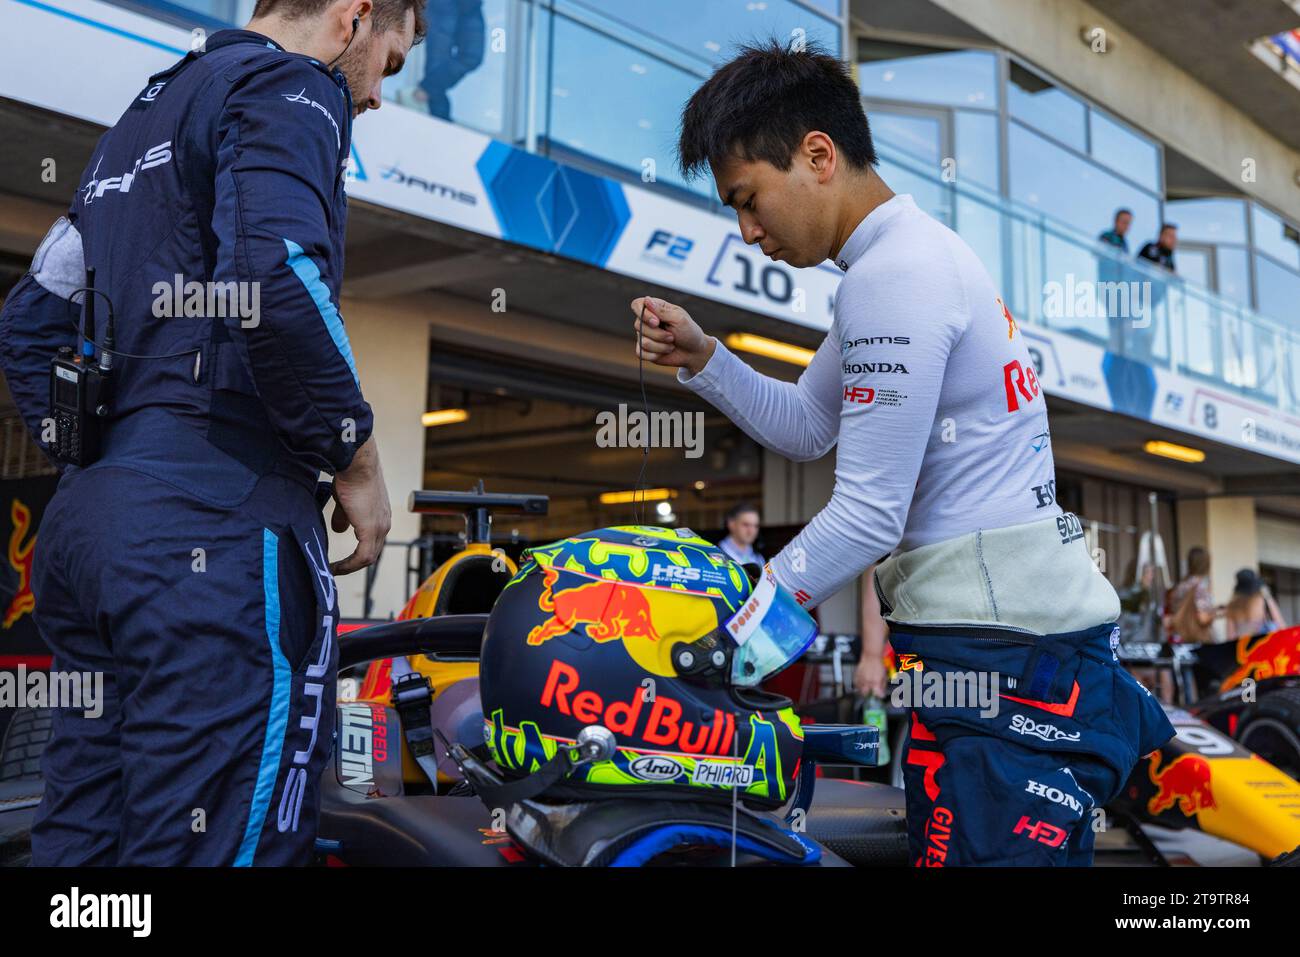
670,337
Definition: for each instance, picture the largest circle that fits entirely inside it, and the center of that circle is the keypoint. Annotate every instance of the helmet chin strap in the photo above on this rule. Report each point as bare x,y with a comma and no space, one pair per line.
355,23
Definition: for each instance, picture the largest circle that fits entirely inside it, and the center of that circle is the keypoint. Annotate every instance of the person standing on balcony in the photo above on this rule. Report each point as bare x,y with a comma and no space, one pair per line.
1161,250
1112,268
1117,235
1139,344
944,471
188,564
454,50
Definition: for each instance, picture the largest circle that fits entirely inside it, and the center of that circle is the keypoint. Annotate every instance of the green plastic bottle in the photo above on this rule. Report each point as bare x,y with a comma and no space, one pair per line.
873,714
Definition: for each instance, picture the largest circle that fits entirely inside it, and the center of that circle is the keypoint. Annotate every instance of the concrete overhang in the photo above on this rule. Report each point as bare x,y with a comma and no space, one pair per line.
1211,40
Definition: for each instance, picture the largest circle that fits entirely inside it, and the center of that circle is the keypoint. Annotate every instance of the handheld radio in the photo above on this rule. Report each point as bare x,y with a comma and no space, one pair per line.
79,388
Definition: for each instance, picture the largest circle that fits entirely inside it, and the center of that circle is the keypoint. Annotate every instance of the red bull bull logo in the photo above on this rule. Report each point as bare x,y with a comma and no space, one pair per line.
20,557
1273,655
1011,323
610,610
1184,781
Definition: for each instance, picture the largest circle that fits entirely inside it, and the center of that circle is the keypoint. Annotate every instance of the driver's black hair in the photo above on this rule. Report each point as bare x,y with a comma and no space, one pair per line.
760,106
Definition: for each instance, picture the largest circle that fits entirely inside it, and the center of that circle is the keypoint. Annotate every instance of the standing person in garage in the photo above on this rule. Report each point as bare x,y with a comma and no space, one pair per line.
944,471
187,563
742,532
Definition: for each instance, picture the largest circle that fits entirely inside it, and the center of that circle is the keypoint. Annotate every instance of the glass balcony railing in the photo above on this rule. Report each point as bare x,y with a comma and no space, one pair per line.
1067,281
598,84
601,85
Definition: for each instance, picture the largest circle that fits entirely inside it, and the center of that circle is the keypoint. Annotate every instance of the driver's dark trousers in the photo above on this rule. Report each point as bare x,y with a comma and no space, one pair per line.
1025,784
214,629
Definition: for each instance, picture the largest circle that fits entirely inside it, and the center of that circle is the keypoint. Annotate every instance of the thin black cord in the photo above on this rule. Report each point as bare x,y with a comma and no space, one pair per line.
77,324
330,65
638,512
735,794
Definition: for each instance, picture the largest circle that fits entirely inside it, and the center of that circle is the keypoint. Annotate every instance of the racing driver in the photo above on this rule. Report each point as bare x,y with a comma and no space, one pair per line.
188,563
944,473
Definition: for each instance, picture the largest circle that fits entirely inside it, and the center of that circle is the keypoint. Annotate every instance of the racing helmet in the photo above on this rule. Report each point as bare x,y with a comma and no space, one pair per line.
660,638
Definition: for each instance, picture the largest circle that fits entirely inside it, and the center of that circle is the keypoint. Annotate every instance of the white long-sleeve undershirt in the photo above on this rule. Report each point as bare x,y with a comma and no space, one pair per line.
927,386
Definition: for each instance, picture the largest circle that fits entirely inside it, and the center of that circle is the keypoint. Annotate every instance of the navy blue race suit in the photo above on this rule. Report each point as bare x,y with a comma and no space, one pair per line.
189,563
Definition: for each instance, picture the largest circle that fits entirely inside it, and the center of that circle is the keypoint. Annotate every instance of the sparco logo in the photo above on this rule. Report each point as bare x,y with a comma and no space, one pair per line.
1070,528
875,341
1055,795
655,767
434,189
1048,732
875,367
153,156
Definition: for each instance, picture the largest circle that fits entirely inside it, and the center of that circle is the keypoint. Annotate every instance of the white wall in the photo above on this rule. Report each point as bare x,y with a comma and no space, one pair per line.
390,342
1279,540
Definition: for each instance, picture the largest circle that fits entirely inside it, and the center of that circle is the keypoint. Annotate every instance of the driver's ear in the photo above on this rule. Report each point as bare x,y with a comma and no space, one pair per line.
821,153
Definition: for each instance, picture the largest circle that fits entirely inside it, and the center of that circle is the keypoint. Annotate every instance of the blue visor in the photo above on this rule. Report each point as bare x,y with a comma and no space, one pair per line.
770,631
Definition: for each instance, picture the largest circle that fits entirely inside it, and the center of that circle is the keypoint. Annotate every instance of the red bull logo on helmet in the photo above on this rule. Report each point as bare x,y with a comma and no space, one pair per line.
609,610
1184,781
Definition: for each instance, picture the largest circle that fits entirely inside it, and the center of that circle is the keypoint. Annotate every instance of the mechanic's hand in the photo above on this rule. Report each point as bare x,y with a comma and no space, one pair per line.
361,503
671,337
869,677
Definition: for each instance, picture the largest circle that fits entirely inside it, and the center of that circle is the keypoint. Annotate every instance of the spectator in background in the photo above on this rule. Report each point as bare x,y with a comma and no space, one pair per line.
1190,611
453,49
1111,268
742,532
1117,235
1252,610
1161,252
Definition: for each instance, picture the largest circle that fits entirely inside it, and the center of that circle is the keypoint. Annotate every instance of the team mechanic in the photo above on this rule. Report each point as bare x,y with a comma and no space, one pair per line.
189,563
943,460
